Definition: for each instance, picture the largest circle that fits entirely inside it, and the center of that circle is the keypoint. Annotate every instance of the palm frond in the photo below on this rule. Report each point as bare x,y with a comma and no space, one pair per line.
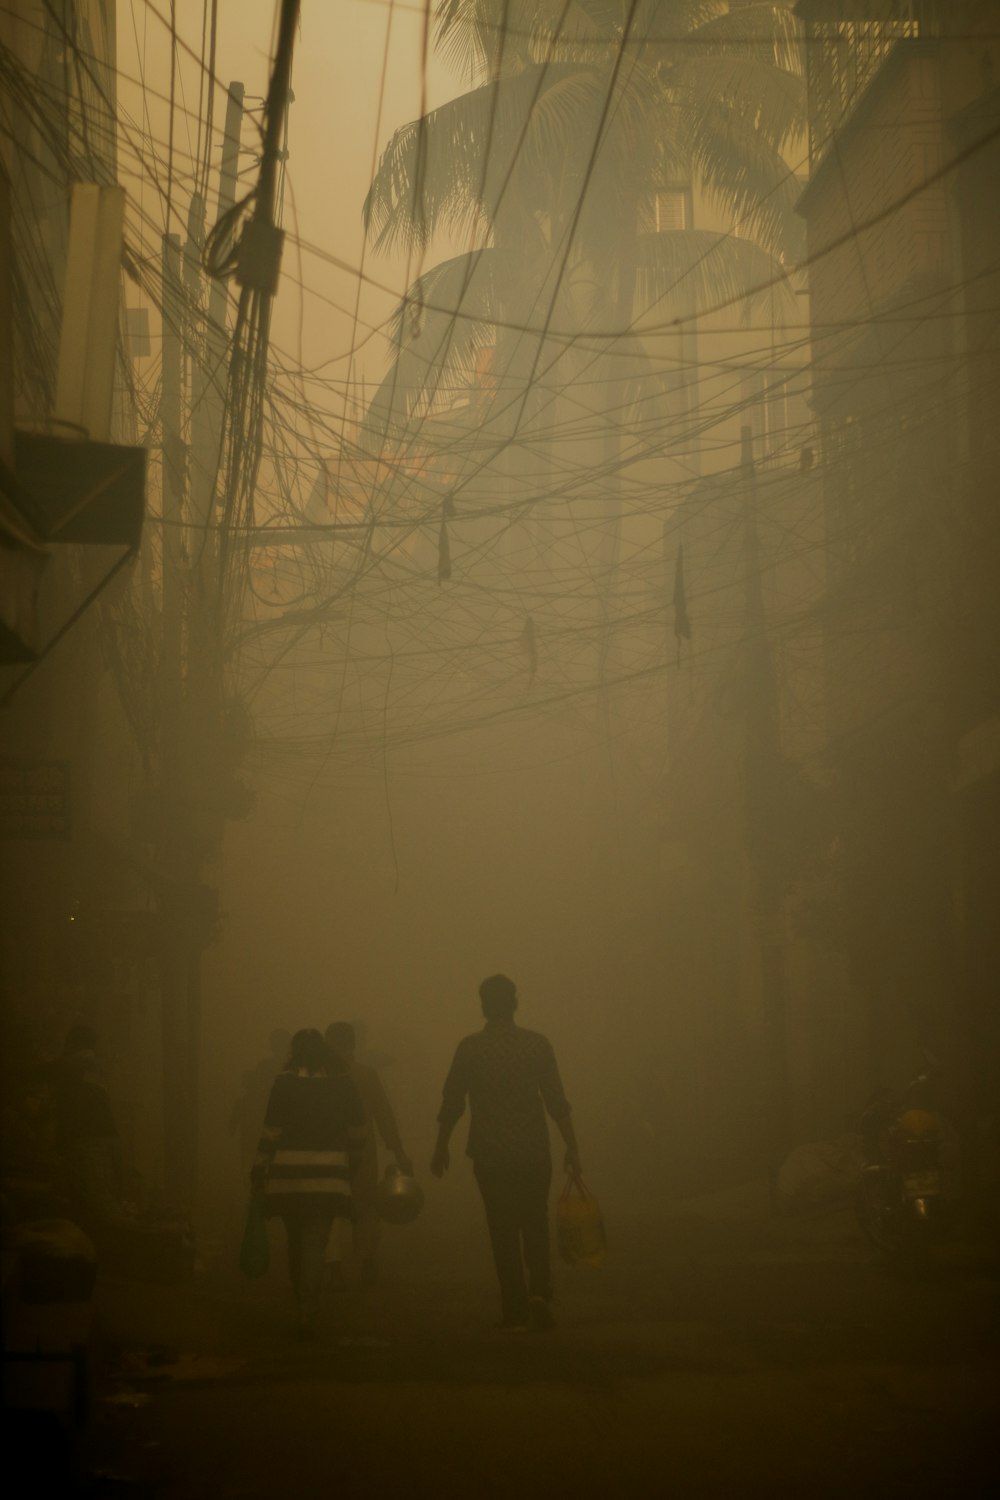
659,23
446,317
745,176
450,169
476,35
684,272
770,33
768,101
485,38
582,31
431,173
462,32
461,291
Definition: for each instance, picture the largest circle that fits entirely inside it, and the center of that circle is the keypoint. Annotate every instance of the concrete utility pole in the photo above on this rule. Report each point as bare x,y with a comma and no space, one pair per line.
201,592
172,830
764,810
192,704
206,697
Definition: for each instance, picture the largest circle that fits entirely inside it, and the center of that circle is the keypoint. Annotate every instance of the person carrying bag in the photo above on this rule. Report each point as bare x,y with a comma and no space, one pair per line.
311,1143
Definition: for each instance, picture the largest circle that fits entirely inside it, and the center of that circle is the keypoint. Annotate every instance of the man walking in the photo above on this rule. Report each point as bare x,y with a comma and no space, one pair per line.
510,1078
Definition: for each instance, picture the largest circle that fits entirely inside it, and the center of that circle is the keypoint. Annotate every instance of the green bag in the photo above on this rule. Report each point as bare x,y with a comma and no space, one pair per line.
255,1252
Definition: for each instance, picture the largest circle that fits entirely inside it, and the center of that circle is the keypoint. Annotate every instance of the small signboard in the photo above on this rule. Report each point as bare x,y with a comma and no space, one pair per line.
34,799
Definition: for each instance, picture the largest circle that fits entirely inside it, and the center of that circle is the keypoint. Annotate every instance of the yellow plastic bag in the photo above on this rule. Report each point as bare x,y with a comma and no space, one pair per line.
580,1233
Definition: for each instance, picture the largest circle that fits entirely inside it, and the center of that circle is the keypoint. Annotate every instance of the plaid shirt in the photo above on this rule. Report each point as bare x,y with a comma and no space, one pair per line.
510,1078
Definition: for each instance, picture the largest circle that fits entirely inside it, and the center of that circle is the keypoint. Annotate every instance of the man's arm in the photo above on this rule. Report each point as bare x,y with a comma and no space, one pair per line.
441,1160
456,1086
571,1161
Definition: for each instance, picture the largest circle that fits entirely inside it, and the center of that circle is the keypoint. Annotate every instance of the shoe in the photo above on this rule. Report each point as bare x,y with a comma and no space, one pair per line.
540,1315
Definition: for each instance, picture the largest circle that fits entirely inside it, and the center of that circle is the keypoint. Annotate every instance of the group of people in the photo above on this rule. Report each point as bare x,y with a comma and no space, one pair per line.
317,1158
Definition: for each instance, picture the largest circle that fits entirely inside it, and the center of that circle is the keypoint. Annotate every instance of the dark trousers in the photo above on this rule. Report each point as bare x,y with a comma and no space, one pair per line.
308,1231
516,1199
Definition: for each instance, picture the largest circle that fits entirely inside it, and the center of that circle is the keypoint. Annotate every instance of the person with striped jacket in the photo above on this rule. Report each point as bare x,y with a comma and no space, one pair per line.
313,1136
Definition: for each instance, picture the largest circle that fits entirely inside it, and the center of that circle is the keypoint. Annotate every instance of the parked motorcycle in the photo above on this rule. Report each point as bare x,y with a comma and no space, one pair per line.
907,1196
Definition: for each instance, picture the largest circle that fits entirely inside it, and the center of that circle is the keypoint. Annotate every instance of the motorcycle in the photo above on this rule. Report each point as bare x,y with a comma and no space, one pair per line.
905,1198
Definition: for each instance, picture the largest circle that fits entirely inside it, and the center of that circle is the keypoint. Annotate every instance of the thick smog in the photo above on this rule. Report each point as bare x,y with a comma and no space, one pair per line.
500,762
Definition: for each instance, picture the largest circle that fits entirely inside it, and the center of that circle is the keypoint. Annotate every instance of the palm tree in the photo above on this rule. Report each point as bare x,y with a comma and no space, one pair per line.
581,110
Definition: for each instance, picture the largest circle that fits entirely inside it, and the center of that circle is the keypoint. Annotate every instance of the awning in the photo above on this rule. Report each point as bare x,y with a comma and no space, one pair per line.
62,490
78,491
22,560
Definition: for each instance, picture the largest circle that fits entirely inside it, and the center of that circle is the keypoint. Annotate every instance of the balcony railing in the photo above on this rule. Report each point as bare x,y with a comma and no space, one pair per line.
847,42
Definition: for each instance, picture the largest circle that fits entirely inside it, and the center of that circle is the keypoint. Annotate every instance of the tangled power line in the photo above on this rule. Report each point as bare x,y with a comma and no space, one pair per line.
331,586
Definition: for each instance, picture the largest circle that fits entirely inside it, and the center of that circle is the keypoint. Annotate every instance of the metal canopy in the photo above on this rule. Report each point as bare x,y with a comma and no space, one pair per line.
72,490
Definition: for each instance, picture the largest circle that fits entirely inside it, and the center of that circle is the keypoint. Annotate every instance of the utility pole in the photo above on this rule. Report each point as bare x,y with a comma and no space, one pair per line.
208,384
209,376
173,789
199,594
191,700
764,811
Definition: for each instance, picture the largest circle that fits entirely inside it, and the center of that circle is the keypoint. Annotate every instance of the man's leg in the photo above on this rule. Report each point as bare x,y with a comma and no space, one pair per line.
500,1200
314,1231
535,1229
293,1229
367,1225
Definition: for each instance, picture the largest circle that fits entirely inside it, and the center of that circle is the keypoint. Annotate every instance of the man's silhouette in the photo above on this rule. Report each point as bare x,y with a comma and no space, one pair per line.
510,1078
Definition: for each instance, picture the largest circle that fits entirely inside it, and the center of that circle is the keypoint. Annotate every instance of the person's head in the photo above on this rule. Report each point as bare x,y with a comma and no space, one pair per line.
308,1052
499,997
279,1042
341,1038
80,1038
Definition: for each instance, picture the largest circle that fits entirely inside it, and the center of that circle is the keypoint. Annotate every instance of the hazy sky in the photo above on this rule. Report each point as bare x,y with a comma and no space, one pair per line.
335,134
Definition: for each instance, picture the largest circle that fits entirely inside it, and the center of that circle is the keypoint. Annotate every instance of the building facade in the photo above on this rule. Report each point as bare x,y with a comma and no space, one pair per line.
901,216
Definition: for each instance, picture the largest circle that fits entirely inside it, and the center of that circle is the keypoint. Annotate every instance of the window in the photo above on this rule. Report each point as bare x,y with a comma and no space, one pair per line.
671,210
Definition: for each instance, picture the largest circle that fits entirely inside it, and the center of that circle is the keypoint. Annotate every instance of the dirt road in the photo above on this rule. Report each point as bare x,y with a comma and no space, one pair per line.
706,1360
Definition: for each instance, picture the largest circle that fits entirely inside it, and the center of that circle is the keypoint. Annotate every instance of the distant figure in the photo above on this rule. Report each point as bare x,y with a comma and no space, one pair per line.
86,1133
314,1130
510,1078
364,1054
380,1122
240,1125
247,1114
